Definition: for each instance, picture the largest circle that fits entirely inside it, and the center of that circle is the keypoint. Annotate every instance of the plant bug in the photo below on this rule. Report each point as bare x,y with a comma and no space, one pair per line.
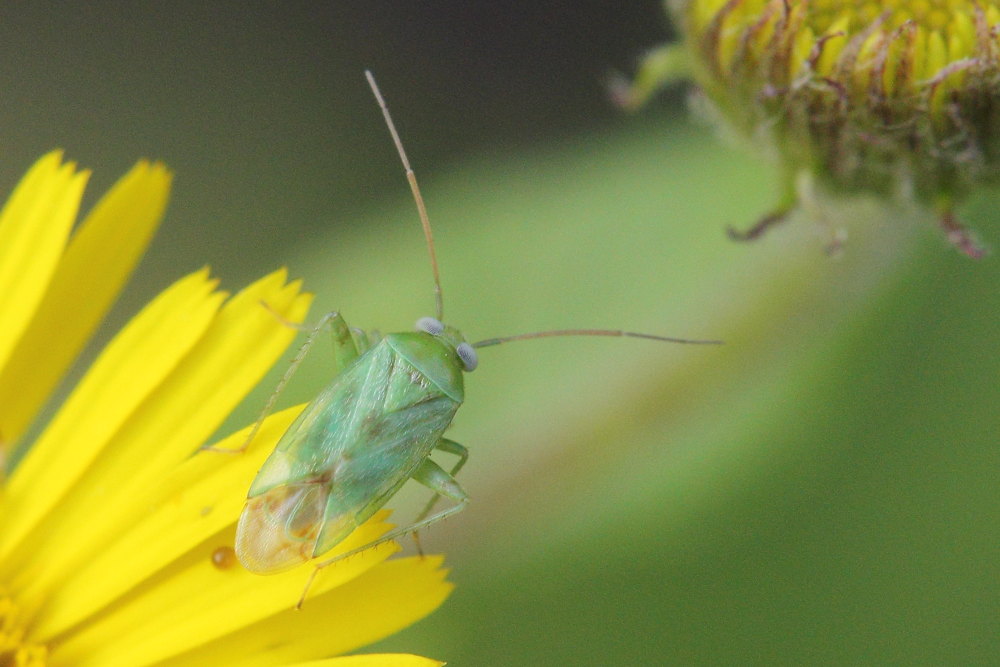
372,429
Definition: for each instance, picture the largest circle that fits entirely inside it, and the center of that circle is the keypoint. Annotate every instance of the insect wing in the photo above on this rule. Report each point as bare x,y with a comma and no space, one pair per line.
287,501
405,418
277,529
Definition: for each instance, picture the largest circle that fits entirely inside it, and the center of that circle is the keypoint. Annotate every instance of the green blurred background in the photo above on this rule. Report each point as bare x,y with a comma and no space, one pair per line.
823,489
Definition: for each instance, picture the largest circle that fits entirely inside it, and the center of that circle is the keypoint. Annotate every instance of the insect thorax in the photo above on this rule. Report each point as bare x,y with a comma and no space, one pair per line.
435,359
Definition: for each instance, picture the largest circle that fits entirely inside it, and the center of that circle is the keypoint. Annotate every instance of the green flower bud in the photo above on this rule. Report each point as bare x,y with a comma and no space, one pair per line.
893,98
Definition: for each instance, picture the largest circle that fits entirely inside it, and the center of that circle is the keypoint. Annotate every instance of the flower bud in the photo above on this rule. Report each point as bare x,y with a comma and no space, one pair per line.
896,99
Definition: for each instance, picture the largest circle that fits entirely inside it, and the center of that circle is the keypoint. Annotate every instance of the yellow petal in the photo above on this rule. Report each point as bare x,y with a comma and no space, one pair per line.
384,600
34,225
961,36
89,276
196,603
196,501
241,344
936,56
125,374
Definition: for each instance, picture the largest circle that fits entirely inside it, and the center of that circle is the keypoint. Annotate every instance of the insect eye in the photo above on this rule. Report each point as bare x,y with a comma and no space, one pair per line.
430,325
468,356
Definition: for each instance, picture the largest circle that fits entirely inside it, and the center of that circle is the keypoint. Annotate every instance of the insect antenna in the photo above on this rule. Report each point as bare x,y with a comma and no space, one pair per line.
415,189
592,332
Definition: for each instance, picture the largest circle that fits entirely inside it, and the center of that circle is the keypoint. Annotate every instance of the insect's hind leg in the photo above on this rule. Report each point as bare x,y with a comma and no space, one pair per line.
345,351
449,447
430,475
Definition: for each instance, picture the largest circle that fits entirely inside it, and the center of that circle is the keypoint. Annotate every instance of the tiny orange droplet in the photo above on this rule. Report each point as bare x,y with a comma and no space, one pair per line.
224,558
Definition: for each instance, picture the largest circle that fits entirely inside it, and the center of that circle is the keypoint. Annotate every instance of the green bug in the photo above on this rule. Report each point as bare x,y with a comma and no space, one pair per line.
369,432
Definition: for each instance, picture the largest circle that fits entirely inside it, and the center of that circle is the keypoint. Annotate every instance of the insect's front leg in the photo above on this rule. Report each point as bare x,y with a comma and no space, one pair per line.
345,352
366,339
345,349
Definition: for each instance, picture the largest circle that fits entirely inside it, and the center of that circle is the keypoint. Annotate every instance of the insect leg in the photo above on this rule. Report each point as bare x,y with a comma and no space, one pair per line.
450,447
430,475
298,326
344,349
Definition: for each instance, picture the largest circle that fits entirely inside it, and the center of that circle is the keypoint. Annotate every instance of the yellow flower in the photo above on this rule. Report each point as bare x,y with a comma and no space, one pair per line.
115,527
899,98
